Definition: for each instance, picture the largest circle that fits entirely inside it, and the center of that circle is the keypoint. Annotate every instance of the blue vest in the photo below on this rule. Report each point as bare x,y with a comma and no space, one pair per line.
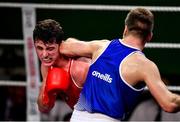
104,90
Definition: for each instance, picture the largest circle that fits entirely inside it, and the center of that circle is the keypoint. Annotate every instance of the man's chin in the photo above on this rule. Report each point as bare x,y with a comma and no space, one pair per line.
47,64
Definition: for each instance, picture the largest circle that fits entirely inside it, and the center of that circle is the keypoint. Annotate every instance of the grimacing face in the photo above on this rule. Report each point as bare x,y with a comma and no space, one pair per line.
47,53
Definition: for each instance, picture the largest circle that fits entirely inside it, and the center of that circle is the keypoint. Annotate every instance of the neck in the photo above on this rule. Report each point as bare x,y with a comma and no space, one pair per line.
134,42
63,62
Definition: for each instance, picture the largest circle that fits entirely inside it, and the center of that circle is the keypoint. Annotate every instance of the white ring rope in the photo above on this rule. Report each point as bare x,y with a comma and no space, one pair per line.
24,84
12,83
88,7
12,41
171,88
148,45
163,45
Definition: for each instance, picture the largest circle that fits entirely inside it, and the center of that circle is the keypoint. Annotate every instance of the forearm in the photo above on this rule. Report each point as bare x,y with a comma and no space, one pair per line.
73,47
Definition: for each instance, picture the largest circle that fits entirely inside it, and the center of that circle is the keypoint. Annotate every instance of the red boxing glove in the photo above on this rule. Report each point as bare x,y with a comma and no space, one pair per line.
46,102
57,80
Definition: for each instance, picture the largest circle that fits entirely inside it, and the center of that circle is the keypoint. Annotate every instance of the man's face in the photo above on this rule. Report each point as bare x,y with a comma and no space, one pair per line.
47,53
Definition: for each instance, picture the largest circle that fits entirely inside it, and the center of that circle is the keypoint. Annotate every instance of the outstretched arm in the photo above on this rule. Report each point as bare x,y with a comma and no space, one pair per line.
73,47
169,101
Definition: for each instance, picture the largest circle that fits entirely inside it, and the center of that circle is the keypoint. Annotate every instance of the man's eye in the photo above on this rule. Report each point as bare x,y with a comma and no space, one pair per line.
50,48
39,48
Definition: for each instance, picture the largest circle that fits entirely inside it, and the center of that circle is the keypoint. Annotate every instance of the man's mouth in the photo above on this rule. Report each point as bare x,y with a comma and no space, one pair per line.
46,60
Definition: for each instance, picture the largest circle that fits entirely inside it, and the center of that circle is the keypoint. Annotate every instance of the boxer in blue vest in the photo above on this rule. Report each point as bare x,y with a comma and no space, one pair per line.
119,72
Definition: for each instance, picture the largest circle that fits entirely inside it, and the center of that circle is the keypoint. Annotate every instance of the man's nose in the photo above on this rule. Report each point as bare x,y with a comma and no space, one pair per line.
45,53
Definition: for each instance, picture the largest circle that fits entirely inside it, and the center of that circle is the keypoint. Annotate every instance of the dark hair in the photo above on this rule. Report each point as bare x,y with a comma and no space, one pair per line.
48,31
140,21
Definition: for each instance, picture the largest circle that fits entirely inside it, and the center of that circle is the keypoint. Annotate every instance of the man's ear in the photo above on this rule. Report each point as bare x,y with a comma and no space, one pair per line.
149,37
125,31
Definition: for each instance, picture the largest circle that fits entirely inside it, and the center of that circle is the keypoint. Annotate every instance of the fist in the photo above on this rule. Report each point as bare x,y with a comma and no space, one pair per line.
57,80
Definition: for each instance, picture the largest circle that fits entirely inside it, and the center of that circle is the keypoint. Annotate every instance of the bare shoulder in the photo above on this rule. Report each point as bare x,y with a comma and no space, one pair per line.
142,60
137,67
145,66
146,63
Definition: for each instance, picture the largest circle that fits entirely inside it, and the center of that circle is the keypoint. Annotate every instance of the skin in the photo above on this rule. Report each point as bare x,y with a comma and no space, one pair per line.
49,56
135,69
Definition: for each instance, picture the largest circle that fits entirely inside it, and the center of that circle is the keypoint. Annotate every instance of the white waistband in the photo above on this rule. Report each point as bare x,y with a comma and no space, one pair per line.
84,116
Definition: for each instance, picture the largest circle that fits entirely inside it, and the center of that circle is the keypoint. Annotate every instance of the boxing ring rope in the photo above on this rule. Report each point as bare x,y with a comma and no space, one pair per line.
88,7
12,41
12,83
163,45
148,45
